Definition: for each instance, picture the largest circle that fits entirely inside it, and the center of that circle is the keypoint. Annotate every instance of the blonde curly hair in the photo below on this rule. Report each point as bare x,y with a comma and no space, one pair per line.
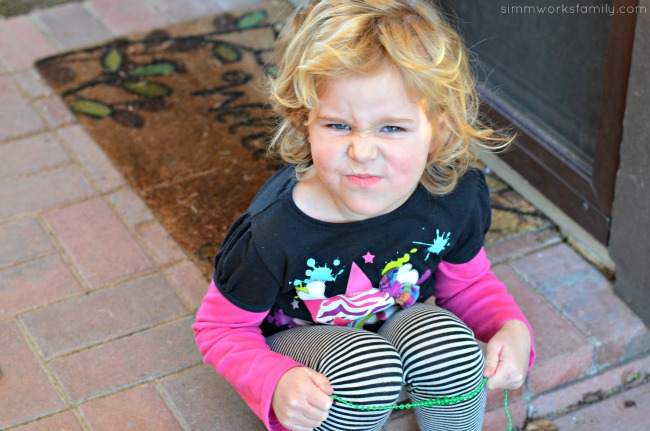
327,39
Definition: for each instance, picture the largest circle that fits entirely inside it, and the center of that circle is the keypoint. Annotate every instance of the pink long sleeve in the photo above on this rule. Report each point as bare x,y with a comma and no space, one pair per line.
231,341
473,293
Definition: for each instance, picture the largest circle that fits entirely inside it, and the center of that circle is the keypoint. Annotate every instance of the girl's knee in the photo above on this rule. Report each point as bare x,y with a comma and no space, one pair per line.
356,362
436,347
429,324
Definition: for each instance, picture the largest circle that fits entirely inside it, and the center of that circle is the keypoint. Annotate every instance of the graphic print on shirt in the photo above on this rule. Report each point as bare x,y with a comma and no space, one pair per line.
314,286
359,301
439,243
362,303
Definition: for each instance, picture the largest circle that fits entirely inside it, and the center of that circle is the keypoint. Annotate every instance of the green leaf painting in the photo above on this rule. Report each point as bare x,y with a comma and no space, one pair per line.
92,108
147,88
154,69
226,53
135,66
112,60
251,20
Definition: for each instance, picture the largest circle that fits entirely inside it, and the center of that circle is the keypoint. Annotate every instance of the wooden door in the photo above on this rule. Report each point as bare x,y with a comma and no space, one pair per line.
556,73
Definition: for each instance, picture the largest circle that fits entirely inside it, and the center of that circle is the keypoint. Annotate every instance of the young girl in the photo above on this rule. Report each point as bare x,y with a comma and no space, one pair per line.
359,268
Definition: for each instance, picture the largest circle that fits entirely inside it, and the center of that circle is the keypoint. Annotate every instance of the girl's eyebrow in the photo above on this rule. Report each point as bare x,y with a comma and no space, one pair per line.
386,120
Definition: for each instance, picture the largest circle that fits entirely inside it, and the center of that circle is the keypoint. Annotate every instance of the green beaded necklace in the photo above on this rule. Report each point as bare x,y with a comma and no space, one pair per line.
445,401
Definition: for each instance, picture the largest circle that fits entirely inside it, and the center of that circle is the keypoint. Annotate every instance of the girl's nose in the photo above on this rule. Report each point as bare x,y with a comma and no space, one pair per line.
362,148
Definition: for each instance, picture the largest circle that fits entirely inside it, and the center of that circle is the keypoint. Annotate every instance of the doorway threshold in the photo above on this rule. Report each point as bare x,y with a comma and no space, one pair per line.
590,248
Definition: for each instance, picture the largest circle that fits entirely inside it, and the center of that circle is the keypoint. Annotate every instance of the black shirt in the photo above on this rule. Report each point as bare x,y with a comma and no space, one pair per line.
304,270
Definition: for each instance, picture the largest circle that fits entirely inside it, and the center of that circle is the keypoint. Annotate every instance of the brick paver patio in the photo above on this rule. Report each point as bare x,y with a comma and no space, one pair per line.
96,299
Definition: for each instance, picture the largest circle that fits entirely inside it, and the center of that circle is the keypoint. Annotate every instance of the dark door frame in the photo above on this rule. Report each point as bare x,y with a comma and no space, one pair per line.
585,193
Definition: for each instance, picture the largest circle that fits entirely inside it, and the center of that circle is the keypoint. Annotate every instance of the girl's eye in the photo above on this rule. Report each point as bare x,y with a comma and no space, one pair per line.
339,126
392,129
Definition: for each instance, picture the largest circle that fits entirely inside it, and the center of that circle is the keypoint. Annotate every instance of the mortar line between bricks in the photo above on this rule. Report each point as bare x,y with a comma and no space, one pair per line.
170,403
518,256
105,195
32,99
31,134
44,169
98,194
115,338
12,75
42,211
85,285
118,211
177,290
93,13
32,104
179,293
159,267
73,410
163,267
590,338
92,290
588,377
645,378
82,419
31,259
149,380
82,166
113,391
77,295
143,243
58,387
88,290
593,341
164,16
13,139
133,229
43,30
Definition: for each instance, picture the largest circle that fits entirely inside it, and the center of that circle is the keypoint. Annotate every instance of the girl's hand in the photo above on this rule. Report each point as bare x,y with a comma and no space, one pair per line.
301,400
507,355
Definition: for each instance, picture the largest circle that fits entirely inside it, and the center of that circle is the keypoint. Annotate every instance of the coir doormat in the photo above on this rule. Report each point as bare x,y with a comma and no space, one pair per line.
181,112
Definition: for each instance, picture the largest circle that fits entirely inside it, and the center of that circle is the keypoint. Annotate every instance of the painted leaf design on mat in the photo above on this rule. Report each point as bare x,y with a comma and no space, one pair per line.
251,19
187,44
92,108
154,69
147,88
225,52
157,36
56,73
224,22
156,104
128,119
112,60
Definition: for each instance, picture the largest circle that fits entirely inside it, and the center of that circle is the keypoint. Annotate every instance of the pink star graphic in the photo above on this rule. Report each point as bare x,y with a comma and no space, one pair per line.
369,258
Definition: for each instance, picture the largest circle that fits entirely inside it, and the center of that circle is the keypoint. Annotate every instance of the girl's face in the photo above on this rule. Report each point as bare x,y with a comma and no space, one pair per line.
369,143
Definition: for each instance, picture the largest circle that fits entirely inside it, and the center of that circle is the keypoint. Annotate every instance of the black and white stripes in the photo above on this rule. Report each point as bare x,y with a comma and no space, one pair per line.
440,358
423,347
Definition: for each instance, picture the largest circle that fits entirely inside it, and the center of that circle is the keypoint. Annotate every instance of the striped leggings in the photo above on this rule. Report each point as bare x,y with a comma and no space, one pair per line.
425,348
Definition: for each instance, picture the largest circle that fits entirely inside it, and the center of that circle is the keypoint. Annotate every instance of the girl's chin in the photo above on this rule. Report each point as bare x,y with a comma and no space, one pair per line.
362,210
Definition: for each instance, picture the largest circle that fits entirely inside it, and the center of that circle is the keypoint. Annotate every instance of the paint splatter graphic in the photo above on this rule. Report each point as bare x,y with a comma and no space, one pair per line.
439,243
